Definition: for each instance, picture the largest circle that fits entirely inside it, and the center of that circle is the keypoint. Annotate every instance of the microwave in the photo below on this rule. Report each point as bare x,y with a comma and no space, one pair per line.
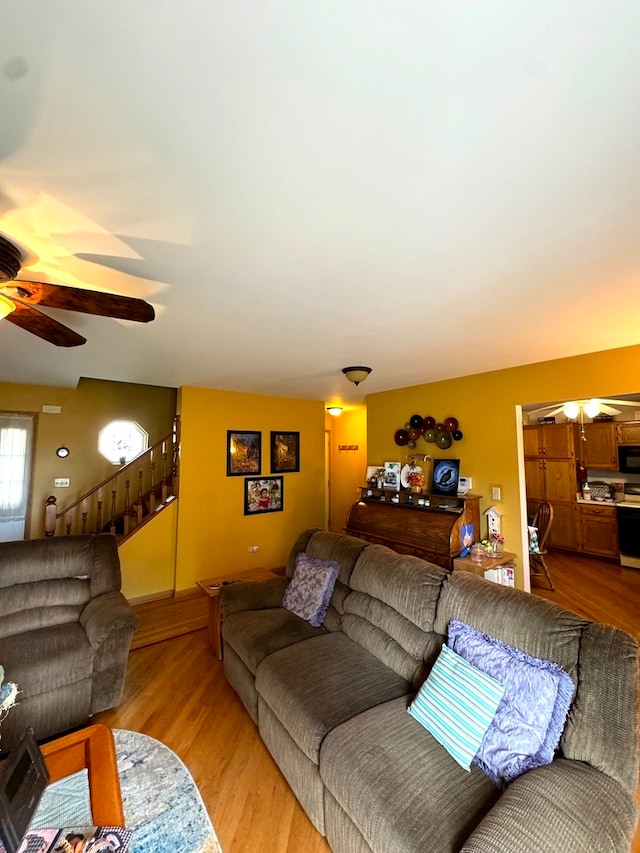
629,458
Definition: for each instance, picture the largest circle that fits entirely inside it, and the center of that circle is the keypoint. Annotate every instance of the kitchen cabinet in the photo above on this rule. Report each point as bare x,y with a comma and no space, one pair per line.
600,449
628,433
550,474
549,440
598,530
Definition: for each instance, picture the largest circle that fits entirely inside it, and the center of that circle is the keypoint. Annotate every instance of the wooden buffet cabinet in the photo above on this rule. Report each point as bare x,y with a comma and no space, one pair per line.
431,531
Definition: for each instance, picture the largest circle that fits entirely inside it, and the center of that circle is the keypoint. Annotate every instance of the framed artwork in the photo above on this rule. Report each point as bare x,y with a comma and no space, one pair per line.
263,494
244,453
285,452
446,473
392,475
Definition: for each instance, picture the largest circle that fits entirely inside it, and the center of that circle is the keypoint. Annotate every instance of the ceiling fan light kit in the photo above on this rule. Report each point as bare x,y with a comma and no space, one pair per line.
18,298
356,374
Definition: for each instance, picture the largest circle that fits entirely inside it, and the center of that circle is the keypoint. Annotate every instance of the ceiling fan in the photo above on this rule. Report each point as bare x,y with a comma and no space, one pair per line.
17,300
590,408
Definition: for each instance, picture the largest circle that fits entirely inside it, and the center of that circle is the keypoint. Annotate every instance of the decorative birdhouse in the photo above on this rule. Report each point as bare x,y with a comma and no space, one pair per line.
493,520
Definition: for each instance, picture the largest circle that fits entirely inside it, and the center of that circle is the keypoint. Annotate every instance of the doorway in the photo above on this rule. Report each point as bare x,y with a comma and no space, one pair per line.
16,434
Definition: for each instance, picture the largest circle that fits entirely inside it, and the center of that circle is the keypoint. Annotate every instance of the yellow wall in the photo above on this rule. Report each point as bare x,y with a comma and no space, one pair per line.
346,467
85,410
485,405
213,533
147,559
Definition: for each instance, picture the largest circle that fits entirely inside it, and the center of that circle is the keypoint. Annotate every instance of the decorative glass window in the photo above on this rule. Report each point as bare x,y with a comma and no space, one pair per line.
122,441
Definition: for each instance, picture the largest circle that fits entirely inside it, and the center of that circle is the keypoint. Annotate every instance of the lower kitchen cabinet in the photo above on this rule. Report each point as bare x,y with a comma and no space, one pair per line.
563,533
564,527
598,530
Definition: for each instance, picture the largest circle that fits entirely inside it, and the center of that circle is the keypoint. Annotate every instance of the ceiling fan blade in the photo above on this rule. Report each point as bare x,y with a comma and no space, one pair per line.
84,301
608,410
621,402
44,327
556,410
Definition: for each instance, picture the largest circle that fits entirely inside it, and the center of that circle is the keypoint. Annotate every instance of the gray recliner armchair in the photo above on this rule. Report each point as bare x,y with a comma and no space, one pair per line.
65,632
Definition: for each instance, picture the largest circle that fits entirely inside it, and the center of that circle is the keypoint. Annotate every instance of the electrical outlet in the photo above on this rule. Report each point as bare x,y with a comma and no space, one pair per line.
61,483
253,549
496,493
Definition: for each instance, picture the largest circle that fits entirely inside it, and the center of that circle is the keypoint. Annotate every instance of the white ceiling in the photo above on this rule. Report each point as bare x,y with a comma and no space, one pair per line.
429,188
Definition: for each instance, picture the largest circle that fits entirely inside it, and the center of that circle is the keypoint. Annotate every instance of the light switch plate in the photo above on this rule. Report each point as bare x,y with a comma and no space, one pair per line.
61,483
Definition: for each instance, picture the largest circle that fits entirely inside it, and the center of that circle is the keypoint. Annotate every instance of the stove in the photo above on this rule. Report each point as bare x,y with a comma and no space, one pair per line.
628,512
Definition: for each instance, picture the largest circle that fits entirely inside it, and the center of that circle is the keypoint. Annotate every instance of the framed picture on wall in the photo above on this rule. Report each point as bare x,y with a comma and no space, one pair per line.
446,473
285,452
263,494
244,453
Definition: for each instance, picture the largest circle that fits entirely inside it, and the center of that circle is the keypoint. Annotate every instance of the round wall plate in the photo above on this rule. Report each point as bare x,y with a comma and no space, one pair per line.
443,439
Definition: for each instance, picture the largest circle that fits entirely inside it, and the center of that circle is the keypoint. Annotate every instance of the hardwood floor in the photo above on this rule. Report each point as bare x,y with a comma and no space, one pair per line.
600,590
176,692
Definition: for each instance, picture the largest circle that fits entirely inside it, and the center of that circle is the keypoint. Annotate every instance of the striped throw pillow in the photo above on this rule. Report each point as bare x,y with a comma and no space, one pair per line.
456,704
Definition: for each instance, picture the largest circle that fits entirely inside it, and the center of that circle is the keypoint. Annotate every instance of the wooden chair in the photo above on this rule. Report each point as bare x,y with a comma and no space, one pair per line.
537,565
93,748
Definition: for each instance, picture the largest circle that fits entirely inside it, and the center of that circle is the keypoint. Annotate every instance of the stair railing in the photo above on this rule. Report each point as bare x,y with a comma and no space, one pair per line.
132,495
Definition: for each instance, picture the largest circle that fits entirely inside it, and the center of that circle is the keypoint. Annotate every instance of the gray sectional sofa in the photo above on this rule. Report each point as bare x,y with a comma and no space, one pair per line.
331,705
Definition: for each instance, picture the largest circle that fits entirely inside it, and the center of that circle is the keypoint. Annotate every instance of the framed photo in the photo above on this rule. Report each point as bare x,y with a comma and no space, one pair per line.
244,453
446,473
392,475
263,494
285,452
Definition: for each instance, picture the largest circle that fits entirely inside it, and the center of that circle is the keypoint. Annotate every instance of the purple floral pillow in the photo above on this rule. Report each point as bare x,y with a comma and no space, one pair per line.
310,588
530,718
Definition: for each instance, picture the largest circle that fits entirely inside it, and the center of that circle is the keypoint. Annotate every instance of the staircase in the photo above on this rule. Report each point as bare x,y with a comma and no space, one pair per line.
127,500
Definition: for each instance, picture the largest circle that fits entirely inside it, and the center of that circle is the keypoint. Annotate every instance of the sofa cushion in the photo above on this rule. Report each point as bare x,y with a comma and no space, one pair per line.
255,634
399,787
313,686
456,704
529,720
310,589
392,608
44,660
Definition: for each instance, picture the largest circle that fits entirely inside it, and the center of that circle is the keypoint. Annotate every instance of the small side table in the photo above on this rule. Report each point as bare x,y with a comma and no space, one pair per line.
212,587
479,567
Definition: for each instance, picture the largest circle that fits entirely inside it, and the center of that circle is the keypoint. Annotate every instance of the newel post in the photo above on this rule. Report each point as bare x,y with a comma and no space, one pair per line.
50,516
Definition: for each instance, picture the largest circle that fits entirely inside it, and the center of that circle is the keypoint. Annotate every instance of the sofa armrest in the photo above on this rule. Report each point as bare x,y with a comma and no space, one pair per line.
565,805
252,595
106,614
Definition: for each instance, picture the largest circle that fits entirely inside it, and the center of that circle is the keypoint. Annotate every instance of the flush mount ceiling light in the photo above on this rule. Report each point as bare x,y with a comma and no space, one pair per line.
62,452
334,410
356,374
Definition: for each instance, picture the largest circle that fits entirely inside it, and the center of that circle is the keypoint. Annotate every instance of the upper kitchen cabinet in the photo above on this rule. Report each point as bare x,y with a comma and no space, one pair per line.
628,433
552,441
600,449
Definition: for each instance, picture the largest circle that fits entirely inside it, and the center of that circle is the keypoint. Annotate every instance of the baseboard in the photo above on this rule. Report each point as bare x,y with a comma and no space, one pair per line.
154,596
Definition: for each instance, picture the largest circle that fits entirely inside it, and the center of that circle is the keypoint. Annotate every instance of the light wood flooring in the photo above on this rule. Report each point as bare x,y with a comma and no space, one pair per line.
176,692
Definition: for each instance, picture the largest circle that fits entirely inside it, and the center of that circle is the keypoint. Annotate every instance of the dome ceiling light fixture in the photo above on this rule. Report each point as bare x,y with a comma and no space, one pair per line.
334,410
356,374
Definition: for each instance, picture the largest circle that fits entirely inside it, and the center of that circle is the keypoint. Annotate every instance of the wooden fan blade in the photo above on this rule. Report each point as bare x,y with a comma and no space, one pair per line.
44,327
84,301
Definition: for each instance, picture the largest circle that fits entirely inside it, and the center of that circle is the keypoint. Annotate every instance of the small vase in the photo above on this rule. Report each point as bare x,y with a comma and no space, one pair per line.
496,549
416,489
